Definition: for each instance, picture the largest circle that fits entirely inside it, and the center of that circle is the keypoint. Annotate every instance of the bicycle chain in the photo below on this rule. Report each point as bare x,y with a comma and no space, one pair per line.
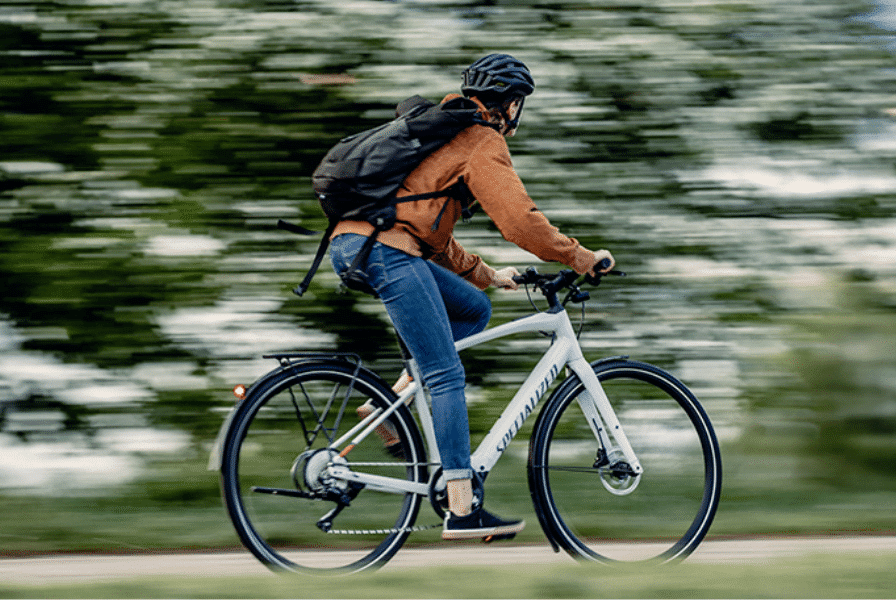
384,531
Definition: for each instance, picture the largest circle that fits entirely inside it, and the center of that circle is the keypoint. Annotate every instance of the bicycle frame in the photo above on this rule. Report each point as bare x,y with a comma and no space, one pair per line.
564,351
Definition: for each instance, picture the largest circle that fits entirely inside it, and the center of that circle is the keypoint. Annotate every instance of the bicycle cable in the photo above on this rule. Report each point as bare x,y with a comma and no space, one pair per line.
531,301
581,322
538,310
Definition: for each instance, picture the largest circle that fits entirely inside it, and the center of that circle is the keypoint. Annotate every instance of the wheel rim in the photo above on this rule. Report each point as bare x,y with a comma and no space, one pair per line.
279,440
671,509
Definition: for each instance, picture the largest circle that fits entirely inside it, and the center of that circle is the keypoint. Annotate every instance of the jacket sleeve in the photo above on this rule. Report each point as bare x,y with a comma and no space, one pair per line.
469,266
497,187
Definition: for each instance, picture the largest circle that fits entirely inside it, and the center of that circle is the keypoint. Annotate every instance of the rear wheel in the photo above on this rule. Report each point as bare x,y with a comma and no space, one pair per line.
278,487
587,498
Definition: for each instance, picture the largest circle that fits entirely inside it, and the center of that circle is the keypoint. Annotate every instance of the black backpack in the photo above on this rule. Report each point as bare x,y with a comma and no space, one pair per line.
359,177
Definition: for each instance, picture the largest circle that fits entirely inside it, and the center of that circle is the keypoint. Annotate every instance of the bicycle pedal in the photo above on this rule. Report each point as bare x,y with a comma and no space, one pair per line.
497,538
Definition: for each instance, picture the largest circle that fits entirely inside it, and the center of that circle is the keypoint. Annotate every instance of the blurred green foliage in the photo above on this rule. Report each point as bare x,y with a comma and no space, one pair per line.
733,156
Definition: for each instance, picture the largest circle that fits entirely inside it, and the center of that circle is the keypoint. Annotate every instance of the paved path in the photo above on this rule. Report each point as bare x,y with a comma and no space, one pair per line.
88,568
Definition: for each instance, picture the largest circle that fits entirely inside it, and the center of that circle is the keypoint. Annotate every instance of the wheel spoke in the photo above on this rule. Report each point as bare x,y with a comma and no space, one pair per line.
591,470
671,507
264,463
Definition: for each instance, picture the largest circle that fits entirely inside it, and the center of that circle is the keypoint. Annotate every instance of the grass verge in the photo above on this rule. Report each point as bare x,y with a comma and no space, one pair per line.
829,575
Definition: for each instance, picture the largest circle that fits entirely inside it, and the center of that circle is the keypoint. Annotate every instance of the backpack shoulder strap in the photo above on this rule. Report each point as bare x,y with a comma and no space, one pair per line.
460,192
413,103
318,258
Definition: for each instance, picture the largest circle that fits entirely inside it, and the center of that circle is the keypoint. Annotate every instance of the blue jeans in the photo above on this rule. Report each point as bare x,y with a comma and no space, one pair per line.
430,308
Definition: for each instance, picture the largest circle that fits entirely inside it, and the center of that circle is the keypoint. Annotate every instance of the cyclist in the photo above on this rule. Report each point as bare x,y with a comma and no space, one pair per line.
432,288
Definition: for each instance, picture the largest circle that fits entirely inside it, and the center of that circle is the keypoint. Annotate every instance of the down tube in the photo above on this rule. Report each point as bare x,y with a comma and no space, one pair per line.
522,405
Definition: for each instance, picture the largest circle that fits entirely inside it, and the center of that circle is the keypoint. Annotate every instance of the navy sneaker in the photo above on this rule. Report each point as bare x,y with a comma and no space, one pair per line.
480,524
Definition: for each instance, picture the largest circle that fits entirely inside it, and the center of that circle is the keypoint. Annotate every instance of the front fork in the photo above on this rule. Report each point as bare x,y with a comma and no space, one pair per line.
620,468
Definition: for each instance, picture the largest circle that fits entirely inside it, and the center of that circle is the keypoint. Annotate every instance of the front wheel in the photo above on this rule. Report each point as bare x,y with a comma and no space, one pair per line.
277,474
589,503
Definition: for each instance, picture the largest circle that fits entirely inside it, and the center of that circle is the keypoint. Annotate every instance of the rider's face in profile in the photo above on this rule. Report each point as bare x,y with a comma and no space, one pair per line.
513,110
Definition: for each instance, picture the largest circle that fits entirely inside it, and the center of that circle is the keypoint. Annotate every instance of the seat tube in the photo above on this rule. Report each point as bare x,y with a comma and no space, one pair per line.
424,410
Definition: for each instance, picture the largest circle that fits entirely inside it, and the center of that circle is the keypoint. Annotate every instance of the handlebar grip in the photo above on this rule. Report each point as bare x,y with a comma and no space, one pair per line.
603,264
530,276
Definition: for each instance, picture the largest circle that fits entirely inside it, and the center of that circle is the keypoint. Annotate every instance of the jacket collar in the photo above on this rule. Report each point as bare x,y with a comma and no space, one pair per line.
483,111
476,101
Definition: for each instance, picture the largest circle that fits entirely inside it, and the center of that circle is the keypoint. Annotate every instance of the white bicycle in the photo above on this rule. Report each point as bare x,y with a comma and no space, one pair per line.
623,462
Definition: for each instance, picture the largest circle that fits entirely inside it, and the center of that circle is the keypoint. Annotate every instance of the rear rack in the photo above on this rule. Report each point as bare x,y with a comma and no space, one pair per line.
287,358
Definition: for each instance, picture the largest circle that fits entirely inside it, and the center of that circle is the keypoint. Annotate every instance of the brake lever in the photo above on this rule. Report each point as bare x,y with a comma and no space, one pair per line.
577,296
594,279
532,277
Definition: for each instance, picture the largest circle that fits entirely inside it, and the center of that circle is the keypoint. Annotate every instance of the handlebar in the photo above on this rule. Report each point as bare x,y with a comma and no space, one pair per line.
550,284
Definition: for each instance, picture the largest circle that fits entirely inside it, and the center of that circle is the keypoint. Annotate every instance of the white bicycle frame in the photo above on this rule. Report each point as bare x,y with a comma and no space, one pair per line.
564,351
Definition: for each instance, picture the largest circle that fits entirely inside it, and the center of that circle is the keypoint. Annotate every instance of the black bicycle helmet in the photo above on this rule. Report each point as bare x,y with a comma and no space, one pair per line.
497,77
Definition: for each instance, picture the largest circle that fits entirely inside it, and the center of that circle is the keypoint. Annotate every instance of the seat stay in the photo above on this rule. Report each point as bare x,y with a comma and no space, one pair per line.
368,424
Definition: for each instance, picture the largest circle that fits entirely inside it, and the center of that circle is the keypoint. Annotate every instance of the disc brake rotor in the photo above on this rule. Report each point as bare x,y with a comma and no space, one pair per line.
617,476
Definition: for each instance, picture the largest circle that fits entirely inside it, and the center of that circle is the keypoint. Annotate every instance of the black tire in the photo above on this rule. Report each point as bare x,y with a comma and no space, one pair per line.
670,510
288,419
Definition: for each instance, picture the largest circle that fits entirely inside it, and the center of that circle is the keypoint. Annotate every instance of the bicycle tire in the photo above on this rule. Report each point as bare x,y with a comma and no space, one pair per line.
277,440
668,513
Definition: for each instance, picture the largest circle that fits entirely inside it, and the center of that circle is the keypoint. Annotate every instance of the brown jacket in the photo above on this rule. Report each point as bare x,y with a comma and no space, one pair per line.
480,155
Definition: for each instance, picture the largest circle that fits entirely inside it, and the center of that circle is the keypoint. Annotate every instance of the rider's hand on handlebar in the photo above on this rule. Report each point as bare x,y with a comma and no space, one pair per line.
601,265
503,278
